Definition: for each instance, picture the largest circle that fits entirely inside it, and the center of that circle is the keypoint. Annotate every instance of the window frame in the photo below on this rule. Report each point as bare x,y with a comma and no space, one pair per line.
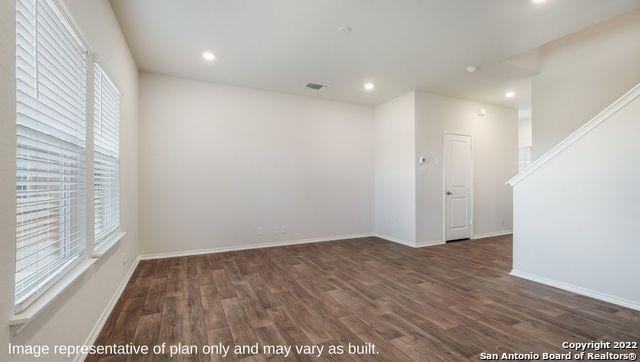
24,312
100,247
72,31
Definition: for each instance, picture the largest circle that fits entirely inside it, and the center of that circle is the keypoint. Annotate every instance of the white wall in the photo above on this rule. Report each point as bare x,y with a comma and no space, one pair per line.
408,202
72,316
495,152
576,217
219,162
525,130
580,75
394,151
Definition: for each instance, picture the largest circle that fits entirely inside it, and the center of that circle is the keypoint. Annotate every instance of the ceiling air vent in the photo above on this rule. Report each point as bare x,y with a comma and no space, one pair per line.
315,86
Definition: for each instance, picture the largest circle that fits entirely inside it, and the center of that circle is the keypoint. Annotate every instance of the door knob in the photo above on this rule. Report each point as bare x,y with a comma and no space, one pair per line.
449,193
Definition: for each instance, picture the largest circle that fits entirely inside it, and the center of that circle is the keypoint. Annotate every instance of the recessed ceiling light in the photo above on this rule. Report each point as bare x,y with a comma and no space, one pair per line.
482,112
369,86
472,68
208,56
538,1
510,94
344,29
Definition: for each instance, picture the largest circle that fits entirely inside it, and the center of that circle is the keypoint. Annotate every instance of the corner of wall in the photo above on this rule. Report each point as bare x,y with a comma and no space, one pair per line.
394,180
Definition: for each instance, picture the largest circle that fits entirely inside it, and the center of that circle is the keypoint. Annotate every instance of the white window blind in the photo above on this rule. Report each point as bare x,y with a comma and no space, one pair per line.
106,184
51,122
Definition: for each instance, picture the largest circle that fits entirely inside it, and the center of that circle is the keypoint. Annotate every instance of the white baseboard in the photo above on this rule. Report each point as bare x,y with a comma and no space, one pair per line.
578,290
249,246
91,339
488,235
395,240
421,244
418,244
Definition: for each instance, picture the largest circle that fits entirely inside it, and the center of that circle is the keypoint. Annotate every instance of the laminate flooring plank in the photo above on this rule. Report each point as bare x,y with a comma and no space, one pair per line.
441,303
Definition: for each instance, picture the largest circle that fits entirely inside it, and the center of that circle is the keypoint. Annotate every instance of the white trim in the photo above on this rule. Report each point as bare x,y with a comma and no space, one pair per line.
48,283
488,235
272,244
619,104
89,192
74,26
422,244
97,328
578,290
472,182
111,241
20,320
393,239
417,244
98,63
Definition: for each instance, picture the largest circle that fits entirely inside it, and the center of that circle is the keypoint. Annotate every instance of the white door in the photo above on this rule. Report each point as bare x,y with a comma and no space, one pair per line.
458,186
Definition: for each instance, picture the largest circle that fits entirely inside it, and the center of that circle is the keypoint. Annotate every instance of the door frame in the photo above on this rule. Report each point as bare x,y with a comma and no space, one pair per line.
472,184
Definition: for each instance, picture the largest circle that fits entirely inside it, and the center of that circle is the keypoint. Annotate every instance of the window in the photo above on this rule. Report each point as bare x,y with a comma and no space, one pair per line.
106,156
51,126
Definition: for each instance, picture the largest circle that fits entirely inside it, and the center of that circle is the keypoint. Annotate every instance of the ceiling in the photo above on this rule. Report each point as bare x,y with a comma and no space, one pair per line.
400,45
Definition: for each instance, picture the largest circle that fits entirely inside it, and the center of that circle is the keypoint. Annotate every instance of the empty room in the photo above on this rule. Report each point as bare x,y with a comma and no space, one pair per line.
393,180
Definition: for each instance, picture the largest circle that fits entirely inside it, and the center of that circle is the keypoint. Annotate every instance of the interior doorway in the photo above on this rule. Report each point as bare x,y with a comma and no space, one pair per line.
458,186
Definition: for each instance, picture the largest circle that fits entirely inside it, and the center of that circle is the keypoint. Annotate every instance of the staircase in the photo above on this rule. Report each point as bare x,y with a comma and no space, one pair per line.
577,209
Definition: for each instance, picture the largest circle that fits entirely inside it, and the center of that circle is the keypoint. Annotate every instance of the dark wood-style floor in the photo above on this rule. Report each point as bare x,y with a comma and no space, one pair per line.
449,302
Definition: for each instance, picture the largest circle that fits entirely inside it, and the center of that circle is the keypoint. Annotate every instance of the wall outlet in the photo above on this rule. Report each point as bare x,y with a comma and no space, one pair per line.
283,229
259,230
276,230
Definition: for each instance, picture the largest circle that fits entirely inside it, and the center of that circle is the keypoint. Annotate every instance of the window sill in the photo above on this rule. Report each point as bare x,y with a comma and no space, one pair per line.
108,244
20,320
